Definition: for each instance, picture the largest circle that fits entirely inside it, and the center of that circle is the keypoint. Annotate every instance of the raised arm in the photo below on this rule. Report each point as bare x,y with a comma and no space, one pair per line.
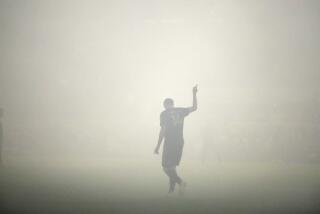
194,100
161,136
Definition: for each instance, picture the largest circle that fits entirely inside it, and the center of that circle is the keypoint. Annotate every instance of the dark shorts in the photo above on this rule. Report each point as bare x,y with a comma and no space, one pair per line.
172,152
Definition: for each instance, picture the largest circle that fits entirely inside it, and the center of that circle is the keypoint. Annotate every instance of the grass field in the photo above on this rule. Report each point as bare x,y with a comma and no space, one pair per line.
132,186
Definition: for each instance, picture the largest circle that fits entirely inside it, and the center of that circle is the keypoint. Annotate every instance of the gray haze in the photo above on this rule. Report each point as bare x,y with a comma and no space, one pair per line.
81,91
86,79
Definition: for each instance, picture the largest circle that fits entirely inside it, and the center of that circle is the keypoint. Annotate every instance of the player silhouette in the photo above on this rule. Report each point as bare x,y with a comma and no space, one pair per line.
171,122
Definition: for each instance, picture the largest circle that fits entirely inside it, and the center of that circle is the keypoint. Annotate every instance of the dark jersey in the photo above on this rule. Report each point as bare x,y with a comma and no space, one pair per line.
172,120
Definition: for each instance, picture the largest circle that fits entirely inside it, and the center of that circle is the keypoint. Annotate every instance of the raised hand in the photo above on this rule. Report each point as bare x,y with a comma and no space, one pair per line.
195,89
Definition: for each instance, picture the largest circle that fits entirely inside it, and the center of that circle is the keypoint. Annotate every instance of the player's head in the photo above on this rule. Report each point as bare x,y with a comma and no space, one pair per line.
168,103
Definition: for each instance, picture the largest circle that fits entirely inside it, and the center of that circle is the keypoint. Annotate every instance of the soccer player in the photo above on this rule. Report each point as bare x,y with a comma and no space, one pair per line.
171,122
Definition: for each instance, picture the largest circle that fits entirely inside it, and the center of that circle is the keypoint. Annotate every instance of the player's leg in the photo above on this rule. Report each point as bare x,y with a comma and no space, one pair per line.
178,180
175,176
172,179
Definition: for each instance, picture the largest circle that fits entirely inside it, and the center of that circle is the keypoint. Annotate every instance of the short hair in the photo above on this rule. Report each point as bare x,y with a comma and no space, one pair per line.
168,102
